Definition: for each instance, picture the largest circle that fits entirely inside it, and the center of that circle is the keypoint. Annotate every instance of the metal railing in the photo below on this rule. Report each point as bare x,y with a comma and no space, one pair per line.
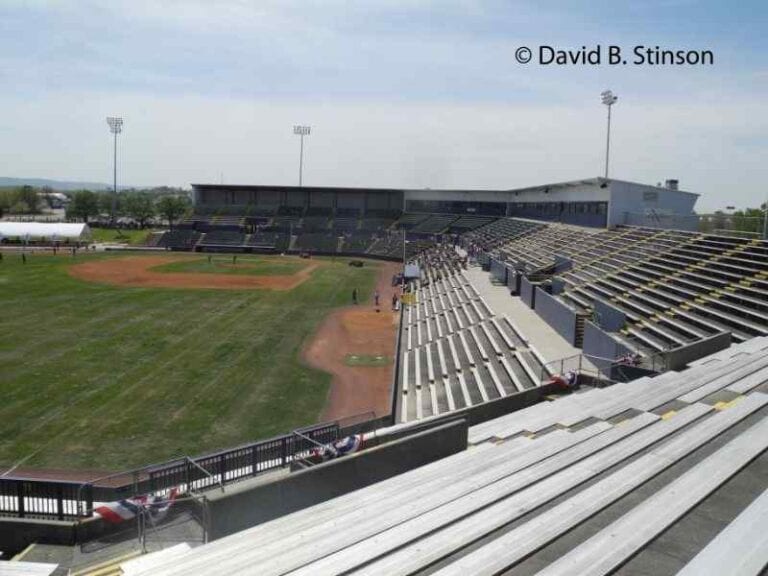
603,370
56,499
29,498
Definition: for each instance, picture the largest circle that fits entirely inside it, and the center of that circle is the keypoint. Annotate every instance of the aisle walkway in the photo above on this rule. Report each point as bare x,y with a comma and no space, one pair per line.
549,343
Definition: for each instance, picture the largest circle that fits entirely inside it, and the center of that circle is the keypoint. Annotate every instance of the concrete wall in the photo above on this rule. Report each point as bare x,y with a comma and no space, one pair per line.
18,533
562,263
253,502
498,270
633,198
559,316
513,280
585,191
679,357
527,292
599,345
558,286
608,317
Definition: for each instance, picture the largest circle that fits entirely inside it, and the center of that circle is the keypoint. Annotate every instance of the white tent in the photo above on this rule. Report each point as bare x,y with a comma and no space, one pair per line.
49,231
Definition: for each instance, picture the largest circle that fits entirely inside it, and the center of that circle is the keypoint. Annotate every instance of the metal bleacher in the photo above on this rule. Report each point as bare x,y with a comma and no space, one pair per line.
498,232
455,351
676,288
603,480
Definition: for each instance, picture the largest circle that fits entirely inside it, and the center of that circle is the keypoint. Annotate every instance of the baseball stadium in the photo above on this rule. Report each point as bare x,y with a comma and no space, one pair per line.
569,378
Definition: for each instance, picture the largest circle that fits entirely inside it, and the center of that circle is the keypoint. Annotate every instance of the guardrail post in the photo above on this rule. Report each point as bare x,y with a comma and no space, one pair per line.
20,498
60,502
188,475
89,499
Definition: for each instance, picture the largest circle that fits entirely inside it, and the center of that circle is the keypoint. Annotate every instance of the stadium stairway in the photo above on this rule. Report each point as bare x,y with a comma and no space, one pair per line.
581,485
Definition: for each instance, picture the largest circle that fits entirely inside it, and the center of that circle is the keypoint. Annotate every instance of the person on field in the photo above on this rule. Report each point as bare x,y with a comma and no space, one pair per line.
354,296
376,299
394,301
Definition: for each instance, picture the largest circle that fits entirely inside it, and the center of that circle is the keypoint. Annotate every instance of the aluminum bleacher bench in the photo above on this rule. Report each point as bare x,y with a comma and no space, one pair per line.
514,473
634,530
465,520
515,545
479,383
741,549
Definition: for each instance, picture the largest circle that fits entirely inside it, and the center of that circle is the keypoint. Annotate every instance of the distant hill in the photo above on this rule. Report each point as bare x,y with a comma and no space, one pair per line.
55,184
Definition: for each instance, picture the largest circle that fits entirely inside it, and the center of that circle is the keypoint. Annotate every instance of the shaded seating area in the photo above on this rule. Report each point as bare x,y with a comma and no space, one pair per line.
222,238
179,239
317,242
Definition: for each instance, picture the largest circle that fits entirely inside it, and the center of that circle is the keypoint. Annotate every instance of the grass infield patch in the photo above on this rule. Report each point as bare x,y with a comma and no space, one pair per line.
366,360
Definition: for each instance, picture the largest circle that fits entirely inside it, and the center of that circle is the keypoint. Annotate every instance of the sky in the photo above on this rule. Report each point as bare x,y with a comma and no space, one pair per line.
399,93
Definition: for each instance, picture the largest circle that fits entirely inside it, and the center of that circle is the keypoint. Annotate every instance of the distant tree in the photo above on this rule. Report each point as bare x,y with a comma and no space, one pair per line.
46,192
84,205
106,199
27,200
172,207
719,220
139,206
749,220
6,201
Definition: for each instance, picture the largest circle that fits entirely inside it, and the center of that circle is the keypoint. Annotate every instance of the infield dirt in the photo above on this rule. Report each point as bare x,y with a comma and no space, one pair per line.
138,271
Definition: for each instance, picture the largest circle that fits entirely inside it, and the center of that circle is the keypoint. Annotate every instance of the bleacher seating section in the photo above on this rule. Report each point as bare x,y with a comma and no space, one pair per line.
179,239
499,231
269,240
317,242
408,221
456,351
467,223
673,287
346,221
647,477
434,224
225,238
357,242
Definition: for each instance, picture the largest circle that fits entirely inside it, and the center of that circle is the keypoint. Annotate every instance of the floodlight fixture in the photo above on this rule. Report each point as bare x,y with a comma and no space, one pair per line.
301,131
609,99
115,127
115,124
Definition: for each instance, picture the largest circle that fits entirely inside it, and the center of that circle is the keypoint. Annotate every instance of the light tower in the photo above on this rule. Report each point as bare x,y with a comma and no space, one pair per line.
609,99
301,131
115,127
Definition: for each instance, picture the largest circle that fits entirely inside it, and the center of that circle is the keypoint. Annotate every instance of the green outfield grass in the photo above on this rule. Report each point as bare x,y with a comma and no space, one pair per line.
108,377
245,265
108,235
